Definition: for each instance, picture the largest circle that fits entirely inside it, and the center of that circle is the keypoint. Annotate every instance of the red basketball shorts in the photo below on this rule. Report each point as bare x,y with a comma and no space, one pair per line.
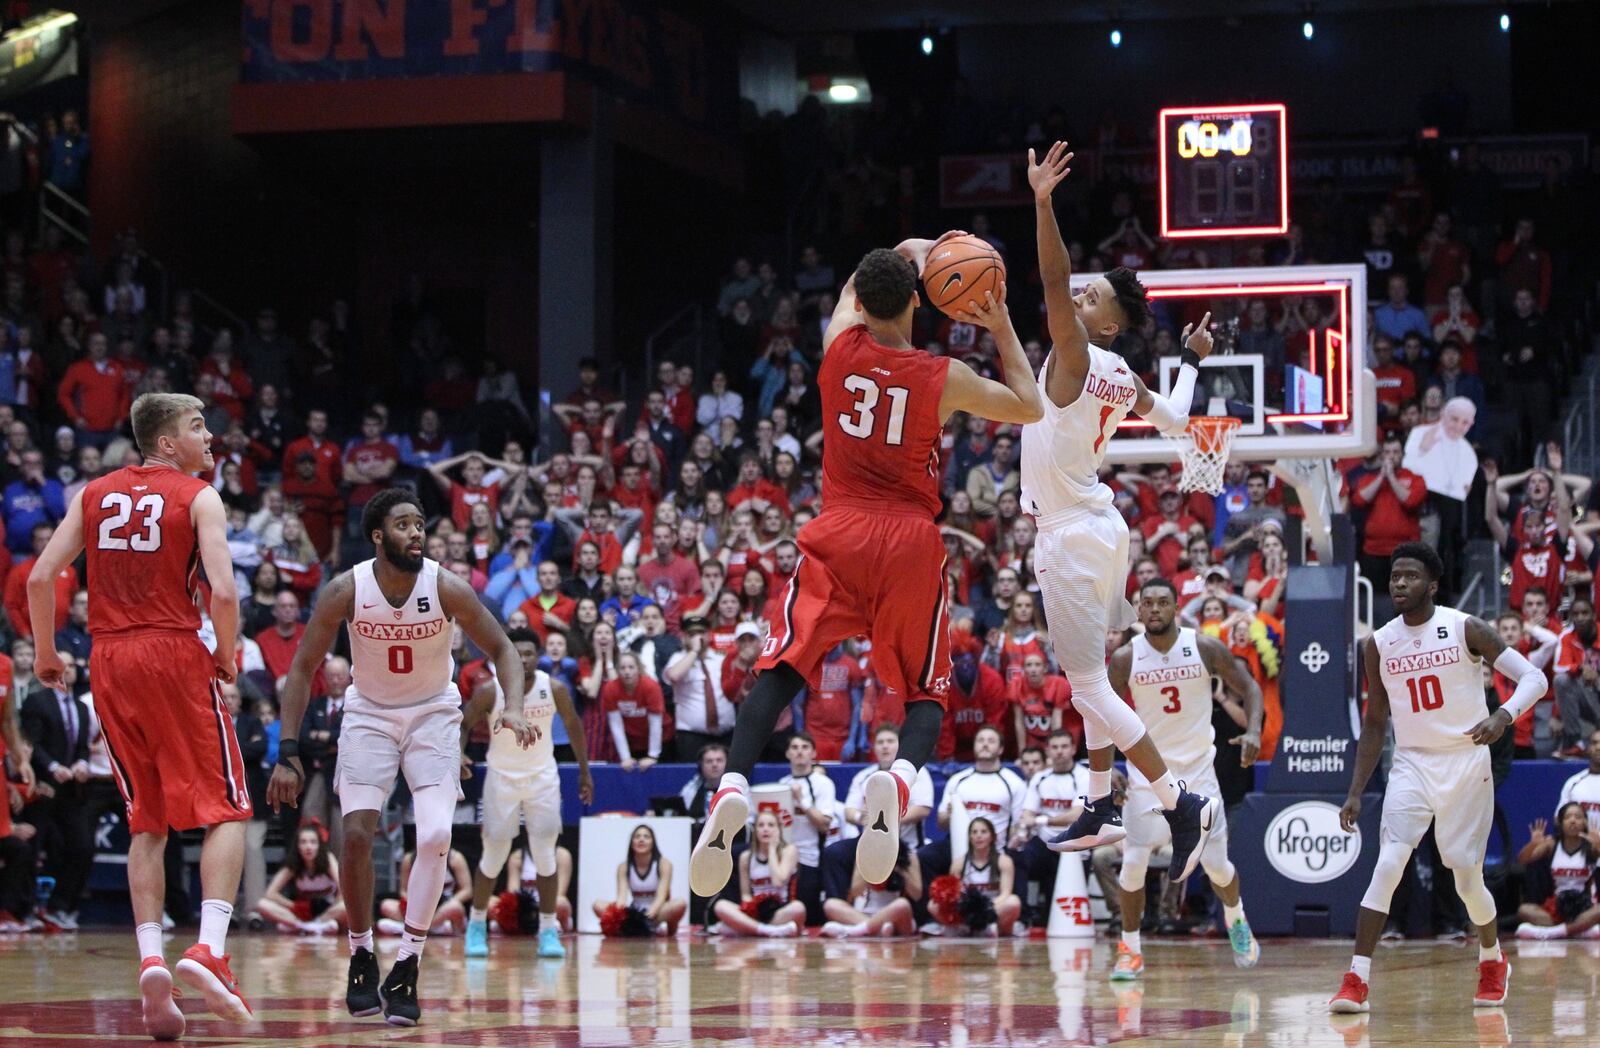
173,752
879,574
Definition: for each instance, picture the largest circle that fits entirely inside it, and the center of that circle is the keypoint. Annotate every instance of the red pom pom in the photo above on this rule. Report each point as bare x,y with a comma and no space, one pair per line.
751,908
503,911
302,909
611,920
944,893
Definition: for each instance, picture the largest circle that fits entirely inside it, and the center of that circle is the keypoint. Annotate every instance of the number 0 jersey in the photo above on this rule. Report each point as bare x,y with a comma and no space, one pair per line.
880,417
144,555
400,656
1062,452
1172,695
1435,685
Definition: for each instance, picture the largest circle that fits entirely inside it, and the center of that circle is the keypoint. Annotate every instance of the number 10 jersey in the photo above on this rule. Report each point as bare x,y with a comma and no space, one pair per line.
1435,685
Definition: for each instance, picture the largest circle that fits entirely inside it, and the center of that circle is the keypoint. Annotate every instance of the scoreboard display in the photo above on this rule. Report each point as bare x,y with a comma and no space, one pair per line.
1224,171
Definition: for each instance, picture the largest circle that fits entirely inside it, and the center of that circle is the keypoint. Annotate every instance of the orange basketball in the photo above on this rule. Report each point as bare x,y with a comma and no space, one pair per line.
962,270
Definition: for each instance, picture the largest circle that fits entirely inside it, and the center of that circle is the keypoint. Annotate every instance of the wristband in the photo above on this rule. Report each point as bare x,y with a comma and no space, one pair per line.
284,762
1041,821
1190,357
288,748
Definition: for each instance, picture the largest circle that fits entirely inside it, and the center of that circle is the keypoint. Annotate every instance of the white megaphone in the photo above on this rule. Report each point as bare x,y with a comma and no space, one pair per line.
1070,917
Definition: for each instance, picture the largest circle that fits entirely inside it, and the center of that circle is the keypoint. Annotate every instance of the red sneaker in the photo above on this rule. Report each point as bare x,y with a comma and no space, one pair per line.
210,976
711,862
163,1020
1352,995
1494,982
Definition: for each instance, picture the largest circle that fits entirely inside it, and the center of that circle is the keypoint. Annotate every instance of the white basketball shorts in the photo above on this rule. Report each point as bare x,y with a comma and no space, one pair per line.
1454,790
376,742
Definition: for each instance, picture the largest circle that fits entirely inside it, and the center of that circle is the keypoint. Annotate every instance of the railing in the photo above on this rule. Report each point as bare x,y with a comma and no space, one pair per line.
688,322
1475,596
1363,604
64,211
1580,438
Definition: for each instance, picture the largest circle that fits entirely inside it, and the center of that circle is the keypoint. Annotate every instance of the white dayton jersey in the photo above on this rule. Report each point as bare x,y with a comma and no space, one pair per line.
538,709
1172,695
400,656
1062,452
1435,685
1584,788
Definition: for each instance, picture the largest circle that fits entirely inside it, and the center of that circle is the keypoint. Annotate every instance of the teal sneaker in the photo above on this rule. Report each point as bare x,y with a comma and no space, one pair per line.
477,939
550,943
1246,951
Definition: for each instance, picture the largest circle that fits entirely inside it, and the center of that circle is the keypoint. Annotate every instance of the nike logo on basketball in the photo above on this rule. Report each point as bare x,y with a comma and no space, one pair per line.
953,280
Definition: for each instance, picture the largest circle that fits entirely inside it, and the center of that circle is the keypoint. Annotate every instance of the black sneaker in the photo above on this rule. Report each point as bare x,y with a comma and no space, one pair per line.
1192,822
361,990
1100,823
399,993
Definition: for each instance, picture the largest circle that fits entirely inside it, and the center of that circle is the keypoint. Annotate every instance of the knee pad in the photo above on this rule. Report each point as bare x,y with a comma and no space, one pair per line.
1098,704
1476,895
1135,866
1214,860
493,859
1392,859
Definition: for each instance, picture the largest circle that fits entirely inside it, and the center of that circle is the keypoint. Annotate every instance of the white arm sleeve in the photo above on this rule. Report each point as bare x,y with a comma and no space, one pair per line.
1170,415
1530,680
618,735
653,750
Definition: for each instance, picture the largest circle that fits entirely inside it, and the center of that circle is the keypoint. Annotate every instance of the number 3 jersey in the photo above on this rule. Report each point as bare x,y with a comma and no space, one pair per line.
400,656
1062,452
1172,695
1435,685
144,556
880,417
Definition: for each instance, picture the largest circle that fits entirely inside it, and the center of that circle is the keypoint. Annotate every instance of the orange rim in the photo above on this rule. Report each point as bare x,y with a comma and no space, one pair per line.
1212,432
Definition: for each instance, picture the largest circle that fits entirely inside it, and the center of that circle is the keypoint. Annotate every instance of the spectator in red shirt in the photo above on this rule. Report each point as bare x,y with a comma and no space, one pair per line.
634,709
1534,553
231,387
472,490
549,608
1538,645
669,578
977,697
93,395
830,710
597,527
1397,384
1445,259
16,587
1578,678
1457,318
1524,265
589,387
754,488
1190,582
1393,499
317,500
1165,535
236,449
316,444
1039,702
279,644
370,462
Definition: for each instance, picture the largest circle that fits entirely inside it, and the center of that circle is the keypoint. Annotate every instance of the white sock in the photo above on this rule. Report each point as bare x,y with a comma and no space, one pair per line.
733,778
410,945
1555,931
214,916
1488,953
149,936
361,941
1362,966
1232,915
1131,939
1099,784
856,930
905,770
1166,789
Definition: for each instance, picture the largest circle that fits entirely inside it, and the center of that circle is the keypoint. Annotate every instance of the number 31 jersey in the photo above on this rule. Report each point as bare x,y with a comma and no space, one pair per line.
143,554
1435,685
881,425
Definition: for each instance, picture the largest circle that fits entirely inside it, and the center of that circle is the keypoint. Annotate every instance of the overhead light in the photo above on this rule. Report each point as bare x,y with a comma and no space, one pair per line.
1307,30
844,92
1116,37
1505,21
927,44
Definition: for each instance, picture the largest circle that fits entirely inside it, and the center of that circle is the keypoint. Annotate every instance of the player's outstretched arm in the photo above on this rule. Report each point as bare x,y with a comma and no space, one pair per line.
211,534
1484,642
1220,663
1170,414
336,604
1017,399
1067,333
1374,727
63,548
458,601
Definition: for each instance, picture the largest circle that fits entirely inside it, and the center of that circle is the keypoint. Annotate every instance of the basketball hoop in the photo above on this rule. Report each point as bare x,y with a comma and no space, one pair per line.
1204,451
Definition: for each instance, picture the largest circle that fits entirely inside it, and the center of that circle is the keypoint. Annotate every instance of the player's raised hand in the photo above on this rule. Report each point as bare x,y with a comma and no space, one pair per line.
284,786
1197,338
991,313
1350,814
1044,177
1490,728
1249,745
49,668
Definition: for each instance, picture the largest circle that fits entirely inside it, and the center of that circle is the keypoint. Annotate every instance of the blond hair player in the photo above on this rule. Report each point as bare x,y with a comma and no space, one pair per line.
1426,667
1081,552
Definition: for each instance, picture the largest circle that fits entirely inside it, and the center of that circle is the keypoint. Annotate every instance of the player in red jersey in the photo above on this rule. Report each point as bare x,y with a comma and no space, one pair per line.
170,739
872,561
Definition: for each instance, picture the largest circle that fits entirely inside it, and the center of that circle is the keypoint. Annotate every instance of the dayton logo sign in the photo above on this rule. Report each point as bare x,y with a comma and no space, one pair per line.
1305,843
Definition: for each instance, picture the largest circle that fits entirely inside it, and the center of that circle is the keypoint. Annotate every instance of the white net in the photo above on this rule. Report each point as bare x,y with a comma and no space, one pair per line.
1204,451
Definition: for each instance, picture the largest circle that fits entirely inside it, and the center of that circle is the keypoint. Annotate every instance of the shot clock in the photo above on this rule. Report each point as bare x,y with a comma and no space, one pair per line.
1224,171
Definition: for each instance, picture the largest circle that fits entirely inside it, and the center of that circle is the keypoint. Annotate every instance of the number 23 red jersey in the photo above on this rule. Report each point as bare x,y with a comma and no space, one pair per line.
144,555
880,417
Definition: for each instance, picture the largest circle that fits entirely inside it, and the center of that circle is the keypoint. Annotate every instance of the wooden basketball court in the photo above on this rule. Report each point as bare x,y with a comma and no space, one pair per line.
80,989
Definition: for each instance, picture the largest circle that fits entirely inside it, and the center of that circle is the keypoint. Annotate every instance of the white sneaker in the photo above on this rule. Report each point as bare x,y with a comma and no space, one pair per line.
932,928
835,930
786,930
711,862
167,923
390,926
878,847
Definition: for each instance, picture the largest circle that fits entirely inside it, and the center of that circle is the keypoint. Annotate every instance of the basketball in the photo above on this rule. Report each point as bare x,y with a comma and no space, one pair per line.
962,269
